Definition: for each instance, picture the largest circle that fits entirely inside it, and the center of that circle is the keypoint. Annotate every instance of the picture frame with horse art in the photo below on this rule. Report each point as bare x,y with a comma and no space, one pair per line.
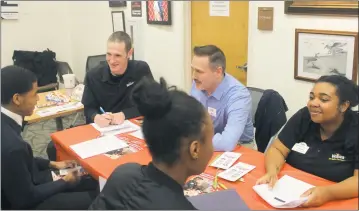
321,52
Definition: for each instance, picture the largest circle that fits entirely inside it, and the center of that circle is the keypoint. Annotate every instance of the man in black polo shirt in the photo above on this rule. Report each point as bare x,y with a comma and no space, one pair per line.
108,87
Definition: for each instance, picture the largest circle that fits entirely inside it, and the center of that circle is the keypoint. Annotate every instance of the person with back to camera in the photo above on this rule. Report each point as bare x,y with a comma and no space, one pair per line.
178,132
321,139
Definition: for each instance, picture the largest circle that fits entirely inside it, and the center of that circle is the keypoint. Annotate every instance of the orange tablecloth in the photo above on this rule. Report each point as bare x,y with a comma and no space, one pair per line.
103,166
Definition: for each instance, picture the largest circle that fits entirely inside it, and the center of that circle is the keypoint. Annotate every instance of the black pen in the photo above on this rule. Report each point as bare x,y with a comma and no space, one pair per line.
278,199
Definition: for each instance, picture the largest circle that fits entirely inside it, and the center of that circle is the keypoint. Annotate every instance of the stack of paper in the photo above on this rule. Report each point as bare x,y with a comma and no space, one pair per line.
285,193
236,172
125,127
98,146
226,160
56,109
138,134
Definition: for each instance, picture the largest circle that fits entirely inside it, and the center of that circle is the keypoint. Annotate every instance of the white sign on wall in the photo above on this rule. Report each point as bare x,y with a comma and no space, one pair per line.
219,8
9,10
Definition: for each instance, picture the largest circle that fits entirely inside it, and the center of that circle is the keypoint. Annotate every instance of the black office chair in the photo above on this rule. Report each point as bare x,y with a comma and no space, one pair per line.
256,95
94,61
62,69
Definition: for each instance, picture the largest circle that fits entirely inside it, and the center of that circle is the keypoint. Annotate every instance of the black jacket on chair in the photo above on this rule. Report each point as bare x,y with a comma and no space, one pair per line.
269,118
25,180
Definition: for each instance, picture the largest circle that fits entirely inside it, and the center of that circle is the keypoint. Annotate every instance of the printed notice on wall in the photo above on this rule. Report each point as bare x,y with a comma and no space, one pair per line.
219,8
9,10
136,8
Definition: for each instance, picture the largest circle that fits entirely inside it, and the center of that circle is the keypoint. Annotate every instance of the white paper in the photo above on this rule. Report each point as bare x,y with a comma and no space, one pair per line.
47,111
102,181
226,160
54,176
116,132
98,146
56,109
125,127
219,8
69,106
138,134
64,172
285,193
236,172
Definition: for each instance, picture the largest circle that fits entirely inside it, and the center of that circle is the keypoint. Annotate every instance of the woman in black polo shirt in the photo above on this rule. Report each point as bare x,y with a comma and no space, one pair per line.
321,139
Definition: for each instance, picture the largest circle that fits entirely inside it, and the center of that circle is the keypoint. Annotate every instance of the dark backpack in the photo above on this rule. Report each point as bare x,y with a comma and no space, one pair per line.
43,64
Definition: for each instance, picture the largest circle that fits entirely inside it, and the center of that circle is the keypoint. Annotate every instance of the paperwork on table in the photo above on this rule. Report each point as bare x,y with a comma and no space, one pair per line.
125,127
226,160
285,193
98,146
56,109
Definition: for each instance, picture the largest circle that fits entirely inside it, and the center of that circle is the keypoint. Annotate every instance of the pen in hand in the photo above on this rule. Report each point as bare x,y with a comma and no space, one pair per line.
103,112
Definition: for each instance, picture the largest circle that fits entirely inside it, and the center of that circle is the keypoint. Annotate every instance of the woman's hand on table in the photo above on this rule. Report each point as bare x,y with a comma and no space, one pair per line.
317,196
268,178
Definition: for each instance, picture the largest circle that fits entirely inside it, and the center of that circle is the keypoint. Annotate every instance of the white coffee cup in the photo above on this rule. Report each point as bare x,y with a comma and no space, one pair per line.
69,81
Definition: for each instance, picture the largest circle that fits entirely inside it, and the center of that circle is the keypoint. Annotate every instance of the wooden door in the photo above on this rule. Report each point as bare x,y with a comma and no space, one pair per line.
228,33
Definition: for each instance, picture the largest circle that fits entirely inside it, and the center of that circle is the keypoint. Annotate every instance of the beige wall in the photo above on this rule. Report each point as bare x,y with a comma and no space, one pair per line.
77,29
271,54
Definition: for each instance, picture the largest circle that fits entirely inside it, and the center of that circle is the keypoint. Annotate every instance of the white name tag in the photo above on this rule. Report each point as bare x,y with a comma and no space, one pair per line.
212,111
300,147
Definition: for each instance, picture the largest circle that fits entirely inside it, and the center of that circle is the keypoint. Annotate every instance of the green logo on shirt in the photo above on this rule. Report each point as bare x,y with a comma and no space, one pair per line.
337,157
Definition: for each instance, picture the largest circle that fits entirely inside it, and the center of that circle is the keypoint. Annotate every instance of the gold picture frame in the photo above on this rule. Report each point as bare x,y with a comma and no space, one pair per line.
337,8
322,52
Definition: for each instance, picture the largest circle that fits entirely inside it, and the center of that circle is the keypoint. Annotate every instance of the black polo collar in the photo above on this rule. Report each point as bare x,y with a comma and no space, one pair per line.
106,73
162,178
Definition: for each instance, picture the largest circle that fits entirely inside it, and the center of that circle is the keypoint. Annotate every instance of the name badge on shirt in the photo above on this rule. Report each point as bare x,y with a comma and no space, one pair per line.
300,147
212,111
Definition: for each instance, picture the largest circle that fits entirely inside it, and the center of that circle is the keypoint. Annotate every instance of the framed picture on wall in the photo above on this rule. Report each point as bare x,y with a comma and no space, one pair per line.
319,52
117,3
159,12
338,8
